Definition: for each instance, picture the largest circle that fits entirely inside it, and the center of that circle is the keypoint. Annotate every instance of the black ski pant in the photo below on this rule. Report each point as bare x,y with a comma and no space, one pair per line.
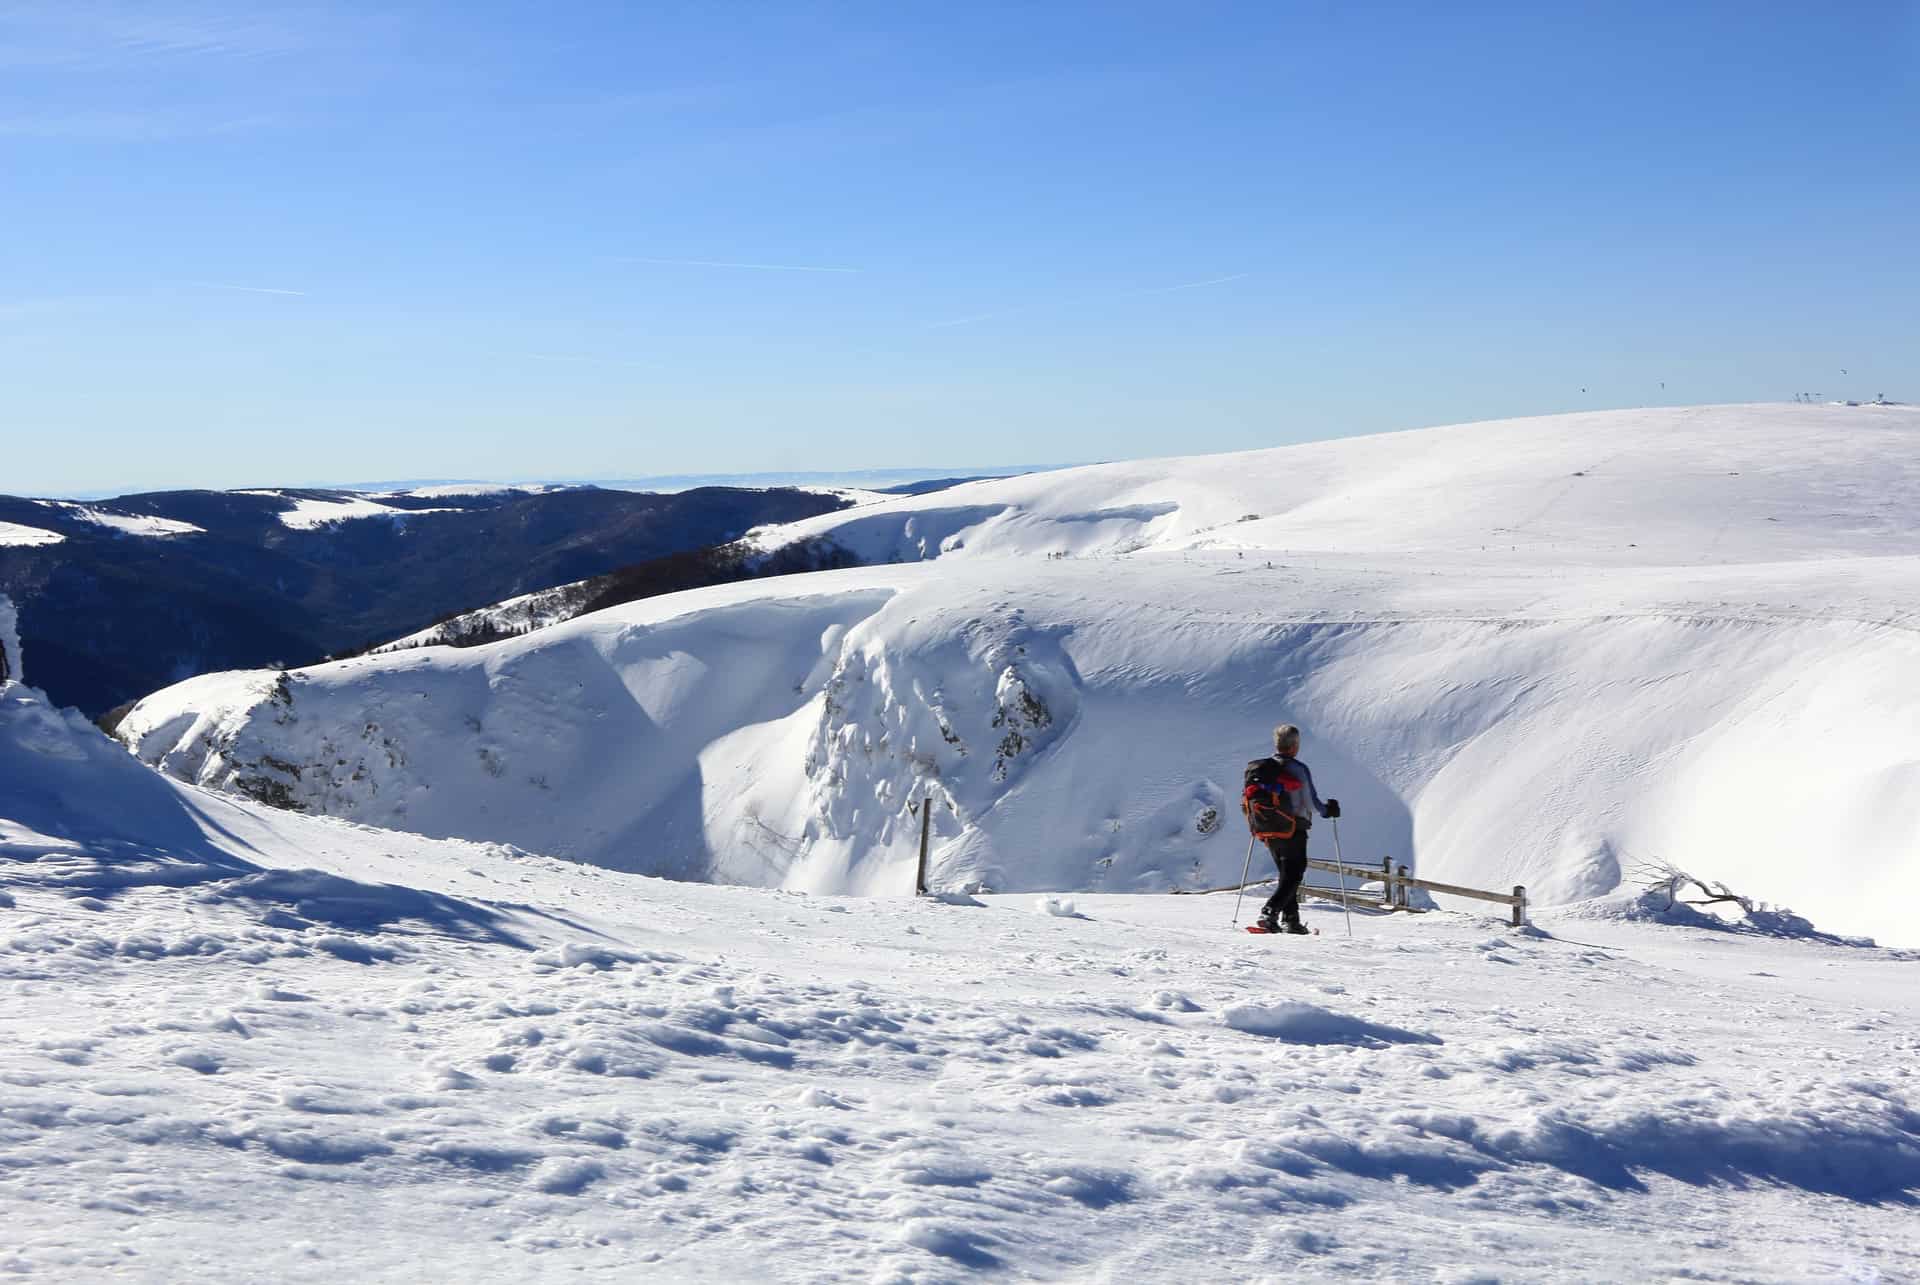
1290,859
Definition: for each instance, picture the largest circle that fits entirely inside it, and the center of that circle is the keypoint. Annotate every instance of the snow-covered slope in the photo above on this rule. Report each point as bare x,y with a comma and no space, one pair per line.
463,490
243,1045
140,524
527,612
1537,652
310,511
19,535
1695,486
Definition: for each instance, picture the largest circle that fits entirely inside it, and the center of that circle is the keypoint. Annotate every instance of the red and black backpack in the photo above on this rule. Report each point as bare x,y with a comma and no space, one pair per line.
1265,802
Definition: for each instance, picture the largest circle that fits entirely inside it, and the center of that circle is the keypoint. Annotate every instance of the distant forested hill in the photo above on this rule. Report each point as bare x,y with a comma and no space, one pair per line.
121,597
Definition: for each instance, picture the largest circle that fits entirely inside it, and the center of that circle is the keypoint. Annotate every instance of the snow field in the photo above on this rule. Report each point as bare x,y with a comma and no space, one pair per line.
19,535
460,490
1080,725
916,1091
311,1050
309,512
1694,486
1540,652
139,524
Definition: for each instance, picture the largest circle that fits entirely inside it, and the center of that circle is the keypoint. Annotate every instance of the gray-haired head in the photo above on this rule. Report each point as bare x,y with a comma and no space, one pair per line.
1286,739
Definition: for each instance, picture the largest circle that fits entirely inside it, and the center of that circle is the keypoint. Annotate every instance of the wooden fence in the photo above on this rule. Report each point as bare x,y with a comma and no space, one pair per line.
1395,883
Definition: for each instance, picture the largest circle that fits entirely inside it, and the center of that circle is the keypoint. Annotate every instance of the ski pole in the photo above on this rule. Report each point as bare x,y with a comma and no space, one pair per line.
1340,861
1245,866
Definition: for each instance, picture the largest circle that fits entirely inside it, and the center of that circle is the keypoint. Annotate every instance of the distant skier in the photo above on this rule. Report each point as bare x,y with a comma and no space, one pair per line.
1284,784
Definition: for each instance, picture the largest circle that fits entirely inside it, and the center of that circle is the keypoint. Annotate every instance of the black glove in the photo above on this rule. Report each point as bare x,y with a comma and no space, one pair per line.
1333,808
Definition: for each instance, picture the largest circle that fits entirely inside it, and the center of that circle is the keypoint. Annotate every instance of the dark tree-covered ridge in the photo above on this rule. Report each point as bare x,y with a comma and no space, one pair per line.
111,615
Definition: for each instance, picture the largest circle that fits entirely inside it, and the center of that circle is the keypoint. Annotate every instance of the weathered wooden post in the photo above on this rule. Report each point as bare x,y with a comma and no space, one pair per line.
1405,902
926,824
1519,905
1386,882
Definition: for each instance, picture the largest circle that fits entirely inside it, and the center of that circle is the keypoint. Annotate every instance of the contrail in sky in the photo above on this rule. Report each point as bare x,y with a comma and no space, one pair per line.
1194,285
216,285
758,267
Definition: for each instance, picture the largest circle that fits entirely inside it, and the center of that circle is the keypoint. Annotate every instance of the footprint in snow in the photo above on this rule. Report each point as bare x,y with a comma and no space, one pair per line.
320,1147
1093,1187
565,1175
942,1172
322,1099
961,1244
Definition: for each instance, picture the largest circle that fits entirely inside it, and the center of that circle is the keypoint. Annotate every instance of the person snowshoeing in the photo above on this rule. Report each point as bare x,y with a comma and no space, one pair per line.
1285,782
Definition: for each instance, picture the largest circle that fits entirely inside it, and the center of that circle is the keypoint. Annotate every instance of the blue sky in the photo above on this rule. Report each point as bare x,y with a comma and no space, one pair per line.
258,244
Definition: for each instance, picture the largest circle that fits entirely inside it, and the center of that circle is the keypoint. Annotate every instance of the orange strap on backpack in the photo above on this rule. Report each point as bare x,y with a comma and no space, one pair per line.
1264,819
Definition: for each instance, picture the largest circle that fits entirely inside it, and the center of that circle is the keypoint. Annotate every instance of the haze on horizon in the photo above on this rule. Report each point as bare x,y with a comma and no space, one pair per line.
258,244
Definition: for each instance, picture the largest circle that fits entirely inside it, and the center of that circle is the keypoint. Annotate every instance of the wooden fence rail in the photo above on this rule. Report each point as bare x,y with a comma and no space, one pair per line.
1394,884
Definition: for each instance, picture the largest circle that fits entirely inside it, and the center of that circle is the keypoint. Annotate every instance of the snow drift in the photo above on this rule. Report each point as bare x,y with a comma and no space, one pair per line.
1530,652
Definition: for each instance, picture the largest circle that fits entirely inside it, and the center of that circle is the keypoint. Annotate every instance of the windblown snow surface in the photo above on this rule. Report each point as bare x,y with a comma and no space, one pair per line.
242,1044
1536,652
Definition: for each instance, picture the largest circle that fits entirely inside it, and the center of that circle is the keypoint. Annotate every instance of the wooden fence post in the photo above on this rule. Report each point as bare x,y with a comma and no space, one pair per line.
1405,902
1519,905
926,823
1386,881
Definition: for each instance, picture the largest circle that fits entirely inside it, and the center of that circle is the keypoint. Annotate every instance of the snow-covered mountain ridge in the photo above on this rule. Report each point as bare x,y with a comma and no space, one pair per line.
1683,599
1699,485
